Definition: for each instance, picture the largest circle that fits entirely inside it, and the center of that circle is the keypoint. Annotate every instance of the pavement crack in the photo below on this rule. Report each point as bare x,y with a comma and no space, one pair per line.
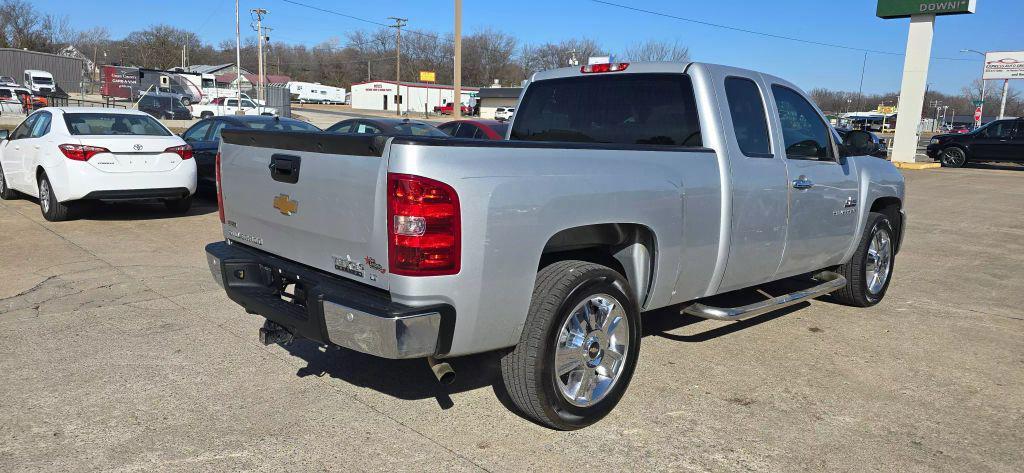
29,290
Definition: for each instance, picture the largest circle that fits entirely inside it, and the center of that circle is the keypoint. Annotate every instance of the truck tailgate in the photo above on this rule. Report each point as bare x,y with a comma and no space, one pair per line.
314,198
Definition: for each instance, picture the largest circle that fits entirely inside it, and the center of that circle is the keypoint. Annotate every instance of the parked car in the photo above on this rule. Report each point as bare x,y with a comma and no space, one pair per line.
961,129
165,105
12,100
479,129
999,140
8,81
386,127
449,108
504,113
549,245
212,94
66,155
204,137
221,106
881,150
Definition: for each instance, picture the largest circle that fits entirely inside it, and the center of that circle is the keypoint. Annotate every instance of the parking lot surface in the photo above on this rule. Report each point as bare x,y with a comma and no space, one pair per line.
118,352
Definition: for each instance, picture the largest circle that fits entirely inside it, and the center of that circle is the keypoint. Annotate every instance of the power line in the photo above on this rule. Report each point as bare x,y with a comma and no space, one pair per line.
761,33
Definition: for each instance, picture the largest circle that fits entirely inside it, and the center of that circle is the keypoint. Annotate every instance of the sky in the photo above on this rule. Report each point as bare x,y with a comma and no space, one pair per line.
997,26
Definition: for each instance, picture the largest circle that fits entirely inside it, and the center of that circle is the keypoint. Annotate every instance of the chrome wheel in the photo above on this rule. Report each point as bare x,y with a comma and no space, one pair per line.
591,350
44,195
879,261
954,157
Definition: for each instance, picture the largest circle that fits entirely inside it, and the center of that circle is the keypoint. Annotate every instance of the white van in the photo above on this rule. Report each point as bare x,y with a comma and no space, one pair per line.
39,82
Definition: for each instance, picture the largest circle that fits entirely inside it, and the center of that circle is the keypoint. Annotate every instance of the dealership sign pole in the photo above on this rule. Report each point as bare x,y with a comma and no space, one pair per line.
915,66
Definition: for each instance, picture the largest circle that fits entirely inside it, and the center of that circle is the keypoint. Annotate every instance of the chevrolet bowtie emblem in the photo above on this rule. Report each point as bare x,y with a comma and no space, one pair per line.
285,205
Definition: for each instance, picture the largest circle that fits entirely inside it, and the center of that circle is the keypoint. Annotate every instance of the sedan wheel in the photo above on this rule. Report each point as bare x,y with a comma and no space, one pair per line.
953,157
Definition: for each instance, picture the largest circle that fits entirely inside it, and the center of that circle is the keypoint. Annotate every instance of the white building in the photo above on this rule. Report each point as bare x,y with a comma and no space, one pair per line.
493,97
416,96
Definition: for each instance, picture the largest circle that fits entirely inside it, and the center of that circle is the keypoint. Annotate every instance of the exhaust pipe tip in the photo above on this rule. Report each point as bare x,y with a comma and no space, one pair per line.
444,372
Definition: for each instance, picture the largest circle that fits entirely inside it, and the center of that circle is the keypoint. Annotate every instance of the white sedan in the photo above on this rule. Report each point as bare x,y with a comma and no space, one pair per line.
67,155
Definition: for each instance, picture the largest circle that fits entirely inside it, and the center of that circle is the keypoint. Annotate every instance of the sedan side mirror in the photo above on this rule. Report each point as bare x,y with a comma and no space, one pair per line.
860,143
4,134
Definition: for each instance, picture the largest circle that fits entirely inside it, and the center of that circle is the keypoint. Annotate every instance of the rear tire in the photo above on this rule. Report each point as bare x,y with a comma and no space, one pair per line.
583,315
52,210
6,193
179,206
869,271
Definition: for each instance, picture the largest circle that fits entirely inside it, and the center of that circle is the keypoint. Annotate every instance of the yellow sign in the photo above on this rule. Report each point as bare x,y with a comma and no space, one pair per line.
285,205
886,109
428,76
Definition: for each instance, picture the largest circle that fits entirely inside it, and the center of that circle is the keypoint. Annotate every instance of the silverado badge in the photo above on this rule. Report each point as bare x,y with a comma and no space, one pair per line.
285,205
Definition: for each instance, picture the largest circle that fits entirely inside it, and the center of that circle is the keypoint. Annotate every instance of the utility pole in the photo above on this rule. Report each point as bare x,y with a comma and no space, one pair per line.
457,86
1002,106
238,62
261,79
399,23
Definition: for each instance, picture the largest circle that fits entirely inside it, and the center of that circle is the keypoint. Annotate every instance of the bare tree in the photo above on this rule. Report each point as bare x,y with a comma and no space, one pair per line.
654,50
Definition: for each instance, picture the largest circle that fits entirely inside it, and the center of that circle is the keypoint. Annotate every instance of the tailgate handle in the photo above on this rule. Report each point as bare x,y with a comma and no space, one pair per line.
285,168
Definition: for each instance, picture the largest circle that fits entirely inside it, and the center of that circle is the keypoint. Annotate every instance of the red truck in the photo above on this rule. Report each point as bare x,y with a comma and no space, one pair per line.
447,109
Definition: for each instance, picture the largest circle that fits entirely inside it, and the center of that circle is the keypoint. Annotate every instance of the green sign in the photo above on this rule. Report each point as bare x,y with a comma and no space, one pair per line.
906,8
977,103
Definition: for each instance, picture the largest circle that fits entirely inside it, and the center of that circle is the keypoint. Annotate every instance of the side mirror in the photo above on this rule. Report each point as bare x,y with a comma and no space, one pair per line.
4,134
860,143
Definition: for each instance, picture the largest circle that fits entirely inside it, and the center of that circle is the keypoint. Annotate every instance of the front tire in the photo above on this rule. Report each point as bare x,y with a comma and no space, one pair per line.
870,269
953,157
579,346
52,210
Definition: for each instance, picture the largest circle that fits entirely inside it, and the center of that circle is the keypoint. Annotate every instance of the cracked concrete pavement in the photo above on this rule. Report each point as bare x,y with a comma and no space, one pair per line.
120,353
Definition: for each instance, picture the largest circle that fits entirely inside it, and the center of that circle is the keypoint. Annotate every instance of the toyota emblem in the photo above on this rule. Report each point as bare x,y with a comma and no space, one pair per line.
138,147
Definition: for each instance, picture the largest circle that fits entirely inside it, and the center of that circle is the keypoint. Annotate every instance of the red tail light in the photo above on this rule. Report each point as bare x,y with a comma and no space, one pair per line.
613,67
220,191
185,151
424,226
81,152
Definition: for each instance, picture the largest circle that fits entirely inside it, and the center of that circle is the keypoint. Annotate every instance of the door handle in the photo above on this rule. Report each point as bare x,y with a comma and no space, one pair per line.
285,168
802,182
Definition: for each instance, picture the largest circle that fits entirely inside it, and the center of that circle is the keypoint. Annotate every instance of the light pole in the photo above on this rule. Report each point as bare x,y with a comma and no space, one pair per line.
982,106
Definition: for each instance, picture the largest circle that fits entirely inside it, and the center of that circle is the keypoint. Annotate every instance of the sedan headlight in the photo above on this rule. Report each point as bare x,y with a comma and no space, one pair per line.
934,141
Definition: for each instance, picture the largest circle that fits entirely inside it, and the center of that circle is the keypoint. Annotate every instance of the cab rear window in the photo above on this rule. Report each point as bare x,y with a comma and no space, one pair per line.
113,124
643,109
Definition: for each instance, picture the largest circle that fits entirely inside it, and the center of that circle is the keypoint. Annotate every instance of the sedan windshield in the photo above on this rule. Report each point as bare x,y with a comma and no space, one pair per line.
113,124
281,125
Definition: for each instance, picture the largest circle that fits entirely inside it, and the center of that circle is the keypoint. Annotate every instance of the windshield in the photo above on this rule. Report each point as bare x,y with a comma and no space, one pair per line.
418,129
652,109
113,124
42,80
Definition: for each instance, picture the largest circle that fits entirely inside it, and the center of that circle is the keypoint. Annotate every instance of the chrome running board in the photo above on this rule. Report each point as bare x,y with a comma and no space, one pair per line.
830,282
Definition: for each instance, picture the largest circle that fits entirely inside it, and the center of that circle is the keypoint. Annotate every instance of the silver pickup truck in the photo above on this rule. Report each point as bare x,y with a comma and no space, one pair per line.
622,188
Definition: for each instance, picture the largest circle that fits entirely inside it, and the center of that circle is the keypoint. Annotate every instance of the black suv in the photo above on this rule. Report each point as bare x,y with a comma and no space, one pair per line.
999,140
165,105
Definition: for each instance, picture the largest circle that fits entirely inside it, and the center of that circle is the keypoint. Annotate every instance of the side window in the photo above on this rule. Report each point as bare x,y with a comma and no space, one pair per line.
231,102
42,125
367,129
448,128
999,129
749,121
23,130
465,131
198,132
804,134
6,94
215,134
248,104
480,135
346,128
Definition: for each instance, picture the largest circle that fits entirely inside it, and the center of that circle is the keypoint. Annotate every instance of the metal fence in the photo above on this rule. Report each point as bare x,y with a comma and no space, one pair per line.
277,96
